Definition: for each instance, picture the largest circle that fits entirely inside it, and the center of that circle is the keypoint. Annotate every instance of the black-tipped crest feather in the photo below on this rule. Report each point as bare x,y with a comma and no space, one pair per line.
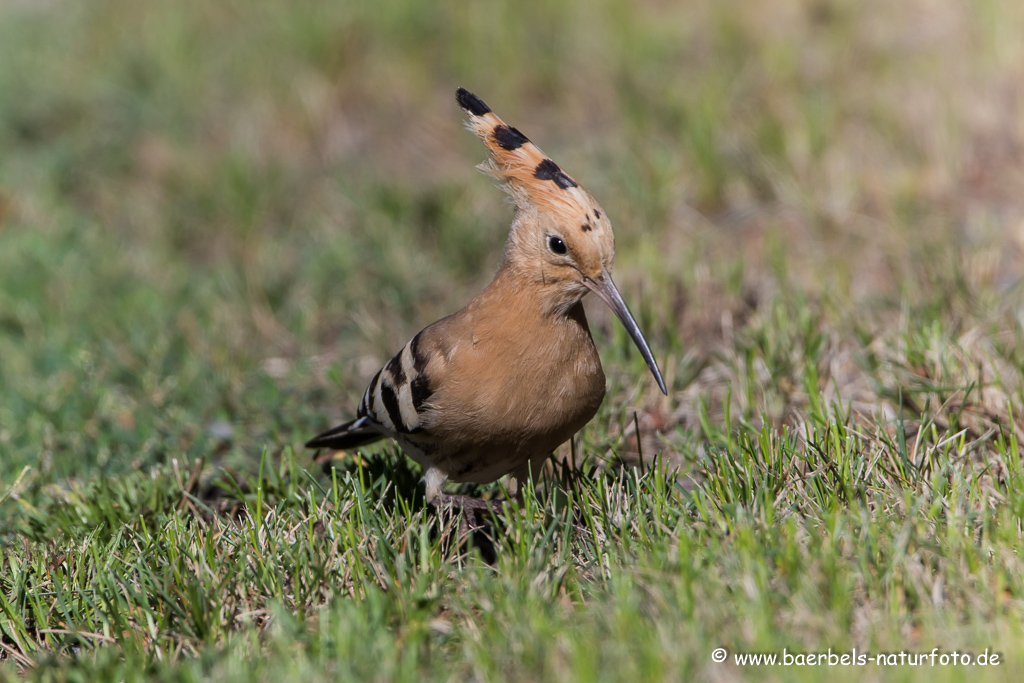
471,103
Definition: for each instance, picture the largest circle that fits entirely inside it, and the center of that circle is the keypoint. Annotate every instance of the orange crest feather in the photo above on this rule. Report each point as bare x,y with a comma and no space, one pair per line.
530,176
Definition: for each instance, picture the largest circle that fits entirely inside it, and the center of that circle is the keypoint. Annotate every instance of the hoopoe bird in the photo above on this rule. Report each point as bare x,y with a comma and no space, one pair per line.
495,388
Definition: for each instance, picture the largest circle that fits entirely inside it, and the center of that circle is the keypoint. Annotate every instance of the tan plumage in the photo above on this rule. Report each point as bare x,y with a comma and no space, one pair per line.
499,385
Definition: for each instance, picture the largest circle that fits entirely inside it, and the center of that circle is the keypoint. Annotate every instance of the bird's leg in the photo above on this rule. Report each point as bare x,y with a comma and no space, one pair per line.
434,480
517,481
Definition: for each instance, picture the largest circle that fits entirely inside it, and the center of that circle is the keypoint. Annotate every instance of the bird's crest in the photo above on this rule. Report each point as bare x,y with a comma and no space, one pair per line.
529,175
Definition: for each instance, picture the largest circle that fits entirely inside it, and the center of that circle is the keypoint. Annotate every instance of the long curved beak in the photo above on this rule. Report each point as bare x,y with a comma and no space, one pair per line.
605,288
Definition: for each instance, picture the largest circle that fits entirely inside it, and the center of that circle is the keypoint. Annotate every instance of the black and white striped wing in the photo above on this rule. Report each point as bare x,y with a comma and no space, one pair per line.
393,405
398,393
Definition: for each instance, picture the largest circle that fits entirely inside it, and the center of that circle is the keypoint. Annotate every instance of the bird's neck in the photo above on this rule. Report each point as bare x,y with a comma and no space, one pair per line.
529,293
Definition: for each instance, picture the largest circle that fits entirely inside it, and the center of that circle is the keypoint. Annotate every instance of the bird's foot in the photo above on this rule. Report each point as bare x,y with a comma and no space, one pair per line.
469,506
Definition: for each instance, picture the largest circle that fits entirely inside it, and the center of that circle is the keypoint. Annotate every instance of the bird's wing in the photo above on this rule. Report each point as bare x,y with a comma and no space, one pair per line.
398,397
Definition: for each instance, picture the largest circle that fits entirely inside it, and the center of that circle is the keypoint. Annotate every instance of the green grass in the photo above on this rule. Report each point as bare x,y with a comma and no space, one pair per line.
218,219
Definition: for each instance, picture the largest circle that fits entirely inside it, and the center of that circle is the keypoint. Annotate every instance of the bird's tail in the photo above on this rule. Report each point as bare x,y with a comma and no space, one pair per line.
351,434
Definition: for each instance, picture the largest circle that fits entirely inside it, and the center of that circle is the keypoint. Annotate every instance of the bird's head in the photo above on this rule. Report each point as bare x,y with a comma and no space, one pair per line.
561,241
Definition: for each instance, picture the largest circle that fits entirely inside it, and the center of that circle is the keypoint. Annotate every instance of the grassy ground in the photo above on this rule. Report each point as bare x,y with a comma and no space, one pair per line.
218,219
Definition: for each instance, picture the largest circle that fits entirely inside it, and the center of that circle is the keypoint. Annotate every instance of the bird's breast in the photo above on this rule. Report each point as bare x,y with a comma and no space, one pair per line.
524,388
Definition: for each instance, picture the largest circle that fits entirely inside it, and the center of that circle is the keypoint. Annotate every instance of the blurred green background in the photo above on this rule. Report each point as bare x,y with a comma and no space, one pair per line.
228,214
217,219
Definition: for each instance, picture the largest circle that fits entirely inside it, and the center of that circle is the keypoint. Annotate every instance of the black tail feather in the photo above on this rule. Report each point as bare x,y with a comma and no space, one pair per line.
346,436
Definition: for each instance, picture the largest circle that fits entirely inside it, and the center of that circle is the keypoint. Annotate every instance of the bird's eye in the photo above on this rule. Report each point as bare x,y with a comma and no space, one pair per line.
557,245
